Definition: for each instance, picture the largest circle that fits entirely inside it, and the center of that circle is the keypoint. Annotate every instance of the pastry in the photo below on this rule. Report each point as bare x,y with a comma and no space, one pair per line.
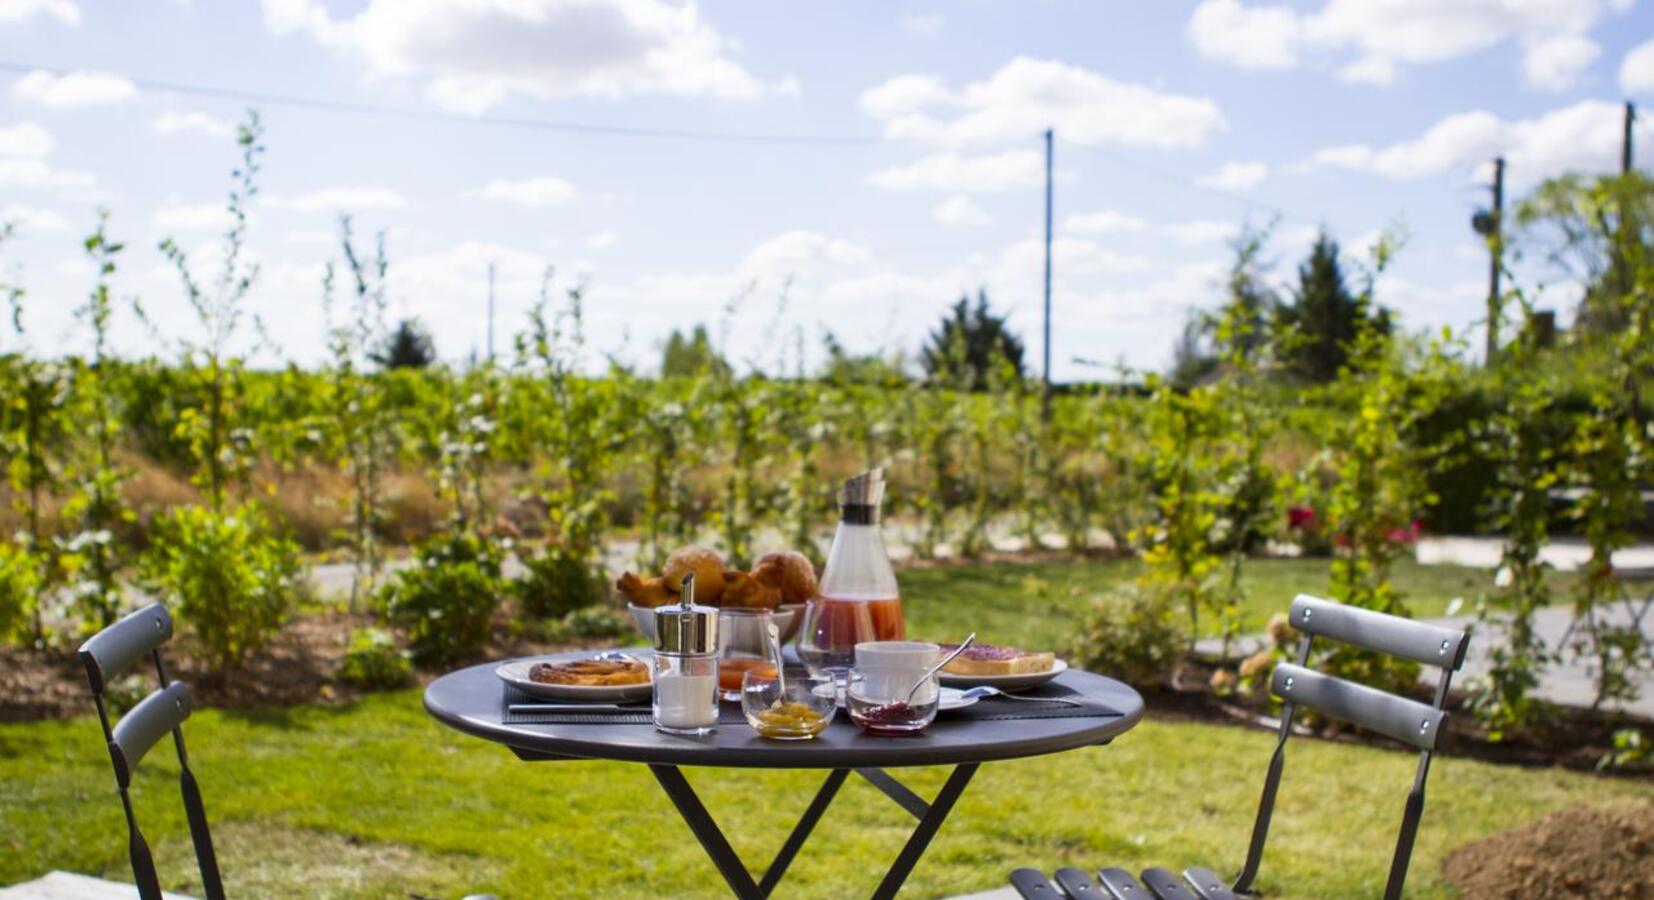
649,592
997,659
748,592
708,567
591,672
788,571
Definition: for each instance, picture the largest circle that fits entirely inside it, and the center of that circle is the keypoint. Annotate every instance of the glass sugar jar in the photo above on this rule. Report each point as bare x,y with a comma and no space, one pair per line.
686,665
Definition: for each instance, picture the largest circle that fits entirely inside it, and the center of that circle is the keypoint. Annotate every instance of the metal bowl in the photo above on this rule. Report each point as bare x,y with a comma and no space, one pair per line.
788,617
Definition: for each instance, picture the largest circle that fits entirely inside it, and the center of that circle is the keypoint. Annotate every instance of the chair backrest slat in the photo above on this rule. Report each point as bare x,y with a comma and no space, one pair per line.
148,722
1405,720
1393,635
114,649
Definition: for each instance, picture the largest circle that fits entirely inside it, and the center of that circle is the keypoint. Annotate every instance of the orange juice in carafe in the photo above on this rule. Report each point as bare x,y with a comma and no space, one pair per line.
858,567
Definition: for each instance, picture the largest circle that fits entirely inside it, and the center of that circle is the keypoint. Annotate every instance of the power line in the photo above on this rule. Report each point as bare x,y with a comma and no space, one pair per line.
1192,184
401,112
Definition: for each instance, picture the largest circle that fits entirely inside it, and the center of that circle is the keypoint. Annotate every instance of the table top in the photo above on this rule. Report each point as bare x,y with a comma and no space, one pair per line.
470,700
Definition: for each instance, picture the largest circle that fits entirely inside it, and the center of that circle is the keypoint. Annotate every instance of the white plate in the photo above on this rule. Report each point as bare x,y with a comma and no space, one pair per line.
951,698
515,673
1005,682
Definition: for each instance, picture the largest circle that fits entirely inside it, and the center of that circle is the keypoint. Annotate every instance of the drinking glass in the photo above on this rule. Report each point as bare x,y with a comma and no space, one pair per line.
831,630
878,700
796,710
743,646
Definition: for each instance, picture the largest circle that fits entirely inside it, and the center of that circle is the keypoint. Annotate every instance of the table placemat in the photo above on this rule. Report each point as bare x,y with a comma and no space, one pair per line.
728,713
999,708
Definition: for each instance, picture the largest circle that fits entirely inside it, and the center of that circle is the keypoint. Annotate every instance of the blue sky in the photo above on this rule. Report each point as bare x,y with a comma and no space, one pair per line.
1175,121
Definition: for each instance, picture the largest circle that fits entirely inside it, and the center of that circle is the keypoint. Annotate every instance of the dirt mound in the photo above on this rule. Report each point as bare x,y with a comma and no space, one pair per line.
1606,853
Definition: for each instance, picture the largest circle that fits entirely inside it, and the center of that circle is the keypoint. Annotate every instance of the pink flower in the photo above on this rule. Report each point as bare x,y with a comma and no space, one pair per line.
1300,517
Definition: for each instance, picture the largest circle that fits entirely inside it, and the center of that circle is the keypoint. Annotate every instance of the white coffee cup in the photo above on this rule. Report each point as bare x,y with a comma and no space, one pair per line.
914,656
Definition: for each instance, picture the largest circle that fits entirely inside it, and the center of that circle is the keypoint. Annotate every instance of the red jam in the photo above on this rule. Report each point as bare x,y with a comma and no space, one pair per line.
895,717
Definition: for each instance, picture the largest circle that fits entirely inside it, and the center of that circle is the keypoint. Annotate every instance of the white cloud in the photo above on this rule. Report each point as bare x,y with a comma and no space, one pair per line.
1585,136
1637,71
31,172
923,24
959,212
75,90
15,11
1023,263
1025,96
602,240
536,193
1379,35
25,139
196,217
475,56
1235,176
341,199
1105,221
29,218
1556,63
952,172
1201,232
1256,37
795,253
174,121
1375,70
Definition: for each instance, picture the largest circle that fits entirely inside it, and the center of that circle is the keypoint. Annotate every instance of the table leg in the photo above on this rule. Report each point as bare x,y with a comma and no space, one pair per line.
783,859
735,872
706,831
928,826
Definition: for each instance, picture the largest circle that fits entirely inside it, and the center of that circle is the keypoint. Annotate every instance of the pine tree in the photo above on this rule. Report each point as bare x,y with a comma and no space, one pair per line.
408,346
971,344
686,357
1322,321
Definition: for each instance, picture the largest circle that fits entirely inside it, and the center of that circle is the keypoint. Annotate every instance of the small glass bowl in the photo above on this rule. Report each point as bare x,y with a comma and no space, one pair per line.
798,715
878,701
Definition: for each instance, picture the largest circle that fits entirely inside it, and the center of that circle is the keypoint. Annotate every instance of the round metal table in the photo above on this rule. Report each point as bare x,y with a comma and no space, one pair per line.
471,700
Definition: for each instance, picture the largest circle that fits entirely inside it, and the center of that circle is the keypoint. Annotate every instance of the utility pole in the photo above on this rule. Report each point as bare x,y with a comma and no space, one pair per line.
490,312
1625,138
1045,398
1496,249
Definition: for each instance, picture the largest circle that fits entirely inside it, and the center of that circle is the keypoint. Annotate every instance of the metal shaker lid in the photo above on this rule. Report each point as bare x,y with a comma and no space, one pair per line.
684,628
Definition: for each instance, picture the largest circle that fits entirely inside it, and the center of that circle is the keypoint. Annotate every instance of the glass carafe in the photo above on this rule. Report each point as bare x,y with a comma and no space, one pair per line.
858,566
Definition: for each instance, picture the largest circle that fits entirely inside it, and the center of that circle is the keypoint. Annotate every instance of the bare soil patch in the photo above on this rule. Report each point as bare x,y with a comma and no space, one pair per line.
299,665
1584,852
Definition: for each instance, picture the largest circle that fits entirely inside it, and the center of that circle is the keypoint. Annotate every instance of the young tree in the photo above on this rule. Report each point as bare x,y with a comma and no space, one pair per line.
1323,320
971,344
1591,229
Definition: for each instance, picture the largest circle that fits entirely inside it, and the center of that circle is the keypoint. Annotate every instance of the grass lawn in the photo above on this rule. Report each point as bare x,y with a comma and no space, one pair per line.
1036,604
374,799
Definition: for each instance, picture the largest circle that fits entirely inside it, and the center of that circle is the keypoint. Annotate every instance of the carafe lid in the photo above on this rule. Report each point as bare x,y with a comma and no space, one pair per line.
684,628
860,496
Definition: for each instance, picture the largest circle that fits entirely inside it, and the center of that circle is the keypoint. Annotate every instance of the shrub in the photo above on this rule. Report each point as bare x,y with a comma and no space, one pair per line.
596,622
448,599
556,584
227,575
372,660
1132,634
19,580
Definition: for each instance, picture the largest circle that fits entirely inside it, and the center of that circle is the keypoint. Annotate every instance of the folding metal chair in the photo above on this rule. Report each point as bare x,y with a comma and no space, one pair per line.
1409,721
106,655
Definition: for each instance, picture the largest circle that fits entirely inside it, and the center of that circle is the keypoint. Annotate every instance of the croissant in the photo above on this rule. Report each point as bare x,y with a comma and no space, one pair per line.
650,592
744,591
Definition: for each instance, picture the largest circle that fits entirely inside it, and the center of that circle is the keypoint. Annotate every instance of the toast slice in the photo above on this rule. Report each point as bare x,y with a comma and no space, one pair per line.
996,659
